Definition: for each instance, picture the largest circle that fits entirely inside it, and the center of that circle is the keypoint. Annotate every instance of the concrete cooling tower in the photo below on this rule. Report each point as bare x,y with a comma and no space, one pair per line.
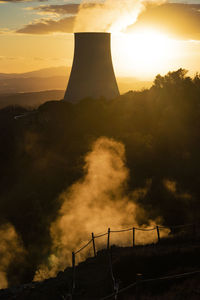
92,73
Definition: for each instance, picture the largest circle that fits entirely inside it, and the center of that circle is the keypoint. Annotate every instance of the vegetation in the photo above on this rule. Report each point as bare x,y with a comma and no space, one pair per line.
129,265
42,153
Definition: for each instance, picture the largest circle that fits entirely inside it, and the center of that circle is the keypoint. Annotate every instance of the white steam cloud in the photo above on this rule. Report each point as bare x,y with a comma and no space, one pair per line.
110,15
94,203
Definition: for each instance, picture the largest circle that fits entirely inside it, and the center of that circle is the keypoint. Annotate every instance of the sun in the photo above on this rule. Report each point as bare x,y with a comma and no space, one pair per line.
143,53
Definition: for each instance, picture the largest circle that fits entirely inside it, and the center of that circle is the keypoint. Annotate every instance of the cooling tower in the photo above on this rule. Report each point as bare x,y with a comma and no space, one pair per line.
92,73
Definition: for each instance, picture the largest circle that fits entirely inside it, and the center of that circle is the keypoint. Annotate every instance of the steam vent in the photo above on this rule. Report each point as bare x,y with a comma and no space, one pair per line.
92,74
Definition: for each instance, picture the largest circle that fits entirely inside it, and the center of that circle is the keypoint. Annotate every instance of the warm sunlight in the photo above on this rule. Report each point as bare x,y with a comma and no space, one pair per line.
144,52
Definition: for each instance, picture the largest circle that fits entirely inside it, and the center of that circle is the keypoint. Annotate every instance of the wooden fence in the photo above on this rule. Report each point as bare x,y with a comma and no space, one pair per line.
133,230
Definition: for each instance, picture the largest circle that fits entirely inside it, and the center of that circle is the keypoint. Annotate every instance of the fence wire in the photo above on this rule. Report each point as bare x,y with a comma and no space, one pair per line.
133,229
83,247
134,284
98,236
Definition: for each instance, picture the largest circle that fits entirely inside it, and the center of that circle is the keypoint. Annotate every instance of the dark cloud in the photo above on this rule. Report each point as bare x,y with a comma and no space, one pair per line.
179,20
69,8
46,26
57,9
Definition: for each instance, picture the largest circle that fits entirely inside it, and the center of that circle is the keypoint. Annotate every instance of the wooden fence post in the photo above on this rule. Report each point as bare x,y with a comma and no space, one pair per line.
133,236
158,233
108,242
73,270
93,242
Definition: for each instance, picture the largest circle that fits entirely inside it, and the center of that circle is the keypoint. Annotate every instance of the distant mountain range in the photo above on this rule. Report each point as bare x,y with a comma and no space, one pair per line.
48,72
30,100
54,79
40,80
34,88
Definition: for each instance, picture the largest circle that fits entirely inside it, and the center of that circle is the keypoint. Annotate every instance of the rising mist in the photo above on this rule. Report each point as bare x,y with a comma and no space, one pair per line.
96,202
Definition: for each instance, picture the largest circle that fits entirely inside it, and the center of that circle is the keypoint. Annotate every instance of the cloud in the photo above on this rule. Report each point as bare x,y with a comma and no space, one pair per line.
183,23
90,16
64,9
5,31
179,20
69,8
46,26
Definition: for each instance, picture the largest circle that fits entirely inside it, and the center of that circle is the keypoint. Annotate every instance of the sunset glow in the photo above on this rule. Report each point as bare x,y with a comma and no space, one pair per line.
100,143
144,52
144,42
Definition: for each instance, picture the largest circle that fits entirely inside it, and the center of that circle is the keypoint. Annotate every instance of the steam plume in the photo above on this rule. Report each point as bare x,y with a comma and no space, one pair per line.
110,15
94,203
10,250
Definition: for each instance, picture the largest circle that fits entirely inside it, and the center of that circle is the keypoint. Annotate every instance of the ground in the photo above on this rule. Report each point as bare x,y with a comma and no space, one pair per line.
93,280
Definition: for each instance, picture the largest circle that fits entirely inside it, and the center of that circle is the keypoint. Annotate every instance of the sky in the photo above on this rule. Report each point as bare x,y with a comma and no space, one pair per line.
147,39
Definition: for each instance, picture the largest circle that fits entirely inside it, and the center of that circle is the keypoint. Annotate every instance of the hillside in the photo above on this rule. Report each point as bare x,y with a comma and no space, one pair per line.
55,79
35,81
132,160
30,100
93,280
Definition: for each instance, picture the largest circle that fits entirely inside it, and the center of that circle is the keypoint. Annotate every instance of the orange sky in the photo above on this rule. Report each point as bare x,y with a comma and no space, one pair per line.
35,35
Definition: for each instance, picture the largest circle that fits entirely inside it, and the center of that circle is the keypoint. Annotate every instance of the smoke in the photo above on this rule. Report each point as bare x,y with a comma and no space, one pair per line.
110,15
11,250
98,201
